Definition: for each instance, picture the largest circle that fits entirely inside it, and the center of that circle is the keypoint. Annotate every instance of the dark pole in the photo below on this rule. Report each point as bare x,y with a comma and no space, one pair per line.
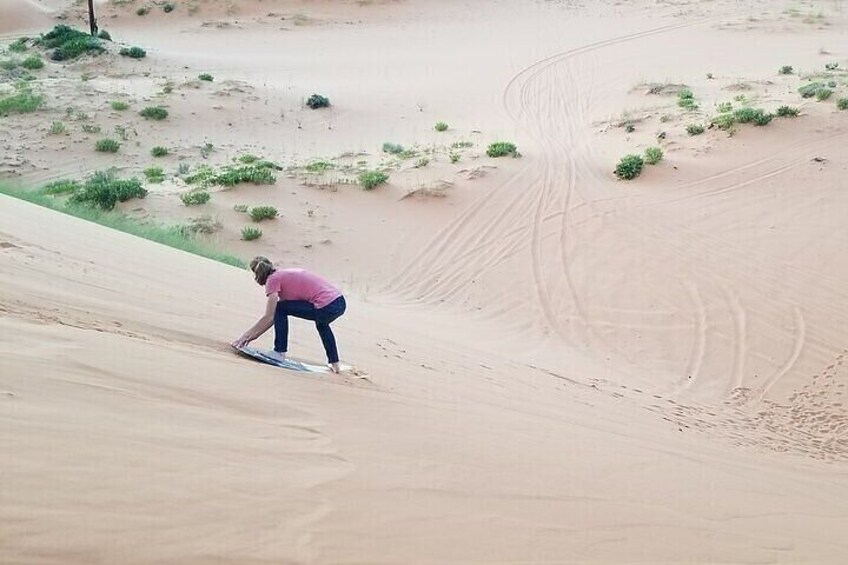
91,21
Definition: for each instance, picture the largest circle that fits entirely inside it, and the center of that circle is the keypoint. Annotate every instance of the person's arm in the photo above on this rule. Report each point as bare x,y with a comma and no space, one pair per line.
262,325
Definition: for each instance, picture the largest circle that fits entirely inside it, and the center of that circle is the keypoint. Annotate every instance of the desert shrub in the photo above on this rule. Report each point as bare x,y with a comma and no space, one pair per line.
265,164
422,162
195,197
393,148
154,174
22,101
203,224
250,233
787,112
786,70
240,208
133,52
629,167
831,66
57,187
143,11
809,90
763,119
454,157
206,150
259,213
168,7
57,128
68,43
183,169
104,190
317,101
9,64
370,179
440,126
159,151
106,145
18,45
823,94
319,167
462,144
629,127
747,115
502,149
91,128
724,107
653,155
154,113
32,63
842,103
722,121
206,77
231,176
104,35
247,158
119,105
685,99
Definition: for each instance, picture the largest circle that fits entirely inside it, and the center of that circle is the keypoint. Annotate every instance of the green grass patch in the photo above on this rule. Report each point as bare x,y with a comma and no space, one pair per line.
155,175
260,172
57,187
22,101
724,107
154,113
171,236
119,105
786,70
842,103
787,111
629,167
809,90
371,179
319,167
686,99
105,35
107,145
205,77
18,45
823,94
58,128
653,155
694,129
725,122
393,148
250,233
440,126
133,52
247,158
259,213
240,208
502,149
104,190
159,151
195,197
33,63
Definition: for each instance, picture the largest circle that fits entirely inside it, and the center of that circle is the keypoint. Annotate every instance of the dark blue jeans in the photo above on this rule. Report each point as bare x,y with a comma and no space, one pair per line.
322,317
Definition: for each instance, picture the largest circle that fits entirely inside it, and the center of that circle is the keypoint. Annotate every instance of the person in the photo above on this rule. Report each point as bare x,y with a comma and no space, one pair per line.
298,293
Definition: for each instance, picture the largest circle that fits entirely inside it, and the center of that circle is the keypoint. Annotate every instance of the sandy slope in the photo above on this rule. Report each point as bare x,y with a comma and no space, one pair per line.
561,367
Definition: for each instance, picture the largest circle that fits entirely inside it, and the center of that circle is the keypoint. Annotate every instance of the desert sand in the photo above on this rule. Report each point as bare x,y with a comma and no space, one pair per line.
552,365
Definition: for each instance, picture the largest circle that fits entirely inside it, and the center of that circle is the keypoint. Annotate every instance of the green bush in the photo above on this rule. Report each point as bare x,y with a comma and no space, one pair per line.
653,155
33,63
440,126
168,7
18,45
91,128
23,101
119,105
206,77
685,99
787,112
629,167
317,101
722,121
104,190
154,113
823,94
250,233
57,187
393,148
155,175
842,103
247,158
133,52
107,145
786,70
195,197
259,213
454,157
57,128
747,115
763,119
143,11
502,149
231,176
809,90
240,208
104,35
68,43
319,167
724,107
370,179
159,151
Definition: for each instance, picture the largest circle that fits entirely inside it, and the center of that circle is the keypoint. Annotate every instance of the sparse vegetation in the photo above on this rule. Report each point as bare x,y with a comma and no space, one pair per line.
64,186
317,101
502,149
462,144
58,128
195,197
68,43
91,128
19,45
747,115
787,111
119,105
133,52
206,150
203,224
809,90
154,113
629,167
21,101
319,167
694,129
393,148
240,208
155,175
32,63
206,77
653,155
724,107
441,126
686,99
725,122
842,103
183,169
259,213
107,145
104,190
823,94
247,158
831,66
104,35
786,70
422,162
159,151
371,179
250,233
454,157
231,175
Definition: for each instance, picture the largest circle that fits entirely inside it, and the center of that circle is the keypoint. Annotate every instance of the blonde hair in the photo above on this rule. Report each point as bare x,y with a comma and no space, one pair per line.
262,268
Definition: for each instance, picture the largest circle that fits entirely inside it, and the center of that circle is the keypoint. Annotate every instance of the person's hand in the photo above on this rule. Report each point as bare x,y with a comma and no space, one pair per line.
240,342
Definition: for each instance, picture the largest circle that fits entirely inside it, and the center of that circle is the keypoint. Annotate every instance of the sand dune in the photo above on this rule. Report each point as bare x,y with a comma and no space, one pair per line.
552,365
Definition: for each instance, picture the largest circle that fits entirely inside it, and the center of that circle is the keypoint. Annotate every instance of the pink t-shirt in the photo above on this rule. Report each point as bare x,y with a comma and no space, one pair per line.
299,284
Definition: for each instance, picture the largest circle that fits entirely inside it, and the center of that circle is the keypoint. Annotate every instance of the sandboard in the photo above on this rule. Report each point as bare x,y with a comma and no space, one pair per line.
289,364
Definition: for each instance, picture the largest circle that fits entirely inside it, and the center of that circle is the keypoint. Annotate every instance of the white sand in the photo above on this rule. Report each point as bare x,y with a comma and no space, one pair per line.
560,367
